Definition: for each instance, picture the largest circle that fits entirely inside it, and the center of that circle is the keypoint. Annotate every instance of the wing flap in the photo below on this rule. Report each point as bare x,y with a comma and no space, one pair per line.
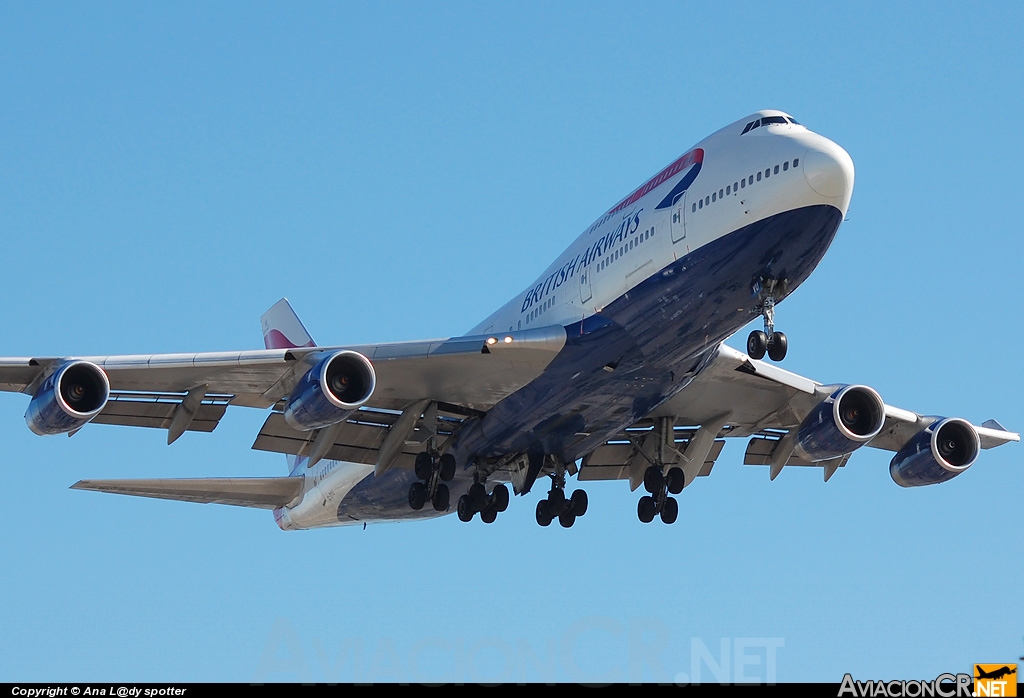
358,439
156,410
256,492
615,460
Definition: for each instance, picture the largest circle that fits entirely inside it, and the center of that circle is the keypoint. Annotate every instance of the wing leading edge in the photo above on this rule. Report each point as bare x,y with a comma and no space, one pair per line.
180,392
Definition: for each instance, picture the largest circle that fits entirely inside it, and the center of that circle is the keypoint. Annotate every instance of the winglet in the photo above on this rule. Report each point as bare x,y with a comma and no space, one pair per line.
282,328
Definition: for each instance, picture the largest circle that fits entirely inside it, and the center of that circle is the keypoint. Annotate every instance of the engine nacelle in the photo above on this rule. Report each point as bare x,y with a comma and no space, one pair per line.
843,422
936,454
71,396
331,391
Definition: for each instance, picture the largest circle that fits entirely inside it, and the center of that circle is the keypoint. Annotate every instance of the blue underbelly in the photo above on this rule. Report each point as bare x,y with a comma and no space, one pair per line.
643,348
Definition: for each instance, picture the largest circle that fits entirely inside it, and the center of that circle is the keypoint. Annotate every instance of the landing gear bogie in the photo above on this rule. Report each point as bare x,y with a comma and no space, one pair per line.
477,501
432,472
660,486
558,506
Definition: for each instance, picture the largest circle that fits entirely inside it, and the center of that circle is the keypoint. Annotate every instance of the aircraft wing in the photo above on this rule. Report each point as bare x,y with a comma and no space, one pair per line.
256,492
170,390
735,396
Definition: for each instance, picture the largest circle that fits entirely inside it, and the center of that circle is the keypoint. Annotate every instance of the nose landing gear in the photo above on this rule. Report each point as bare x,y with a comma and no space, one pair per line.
769,341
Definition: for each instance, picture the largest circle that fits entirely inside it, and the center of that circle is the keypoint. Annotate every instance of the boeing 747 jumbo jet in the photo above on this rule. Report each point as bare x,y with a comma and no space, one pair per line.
610,366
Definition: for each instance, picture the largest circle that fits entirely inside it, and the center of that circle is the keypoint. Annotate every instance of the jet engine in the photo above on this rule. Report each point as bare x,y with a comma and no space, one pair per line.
331,391
843,422
71,396
936,454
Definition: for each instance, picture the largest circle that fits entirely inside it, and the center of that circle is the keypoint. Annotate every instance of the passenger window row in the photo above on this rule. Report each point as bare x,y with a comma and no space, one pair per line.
742,184
626,247
535,313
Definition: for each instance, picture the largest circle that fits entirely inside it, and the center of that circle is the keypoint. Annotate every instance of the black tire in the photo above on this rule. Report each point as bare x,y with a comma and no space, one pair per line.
757,344
488,515
417,495
654,480
556,502
567,519
424,465
778,347
669,510
543,513
499,498
675,480
447,463
477,496
579,502
646,509
440,500
464,510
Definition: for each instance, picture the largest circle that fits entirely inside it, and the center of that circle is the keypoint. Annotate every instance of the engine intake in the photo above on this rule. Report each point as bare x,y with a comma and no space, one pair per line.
843,422
331,391
936,454
68,399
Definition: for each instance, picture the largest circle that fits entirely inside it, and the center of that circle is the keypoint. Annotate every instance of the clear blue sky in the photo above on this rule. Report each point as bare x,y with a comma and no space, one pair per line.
398,170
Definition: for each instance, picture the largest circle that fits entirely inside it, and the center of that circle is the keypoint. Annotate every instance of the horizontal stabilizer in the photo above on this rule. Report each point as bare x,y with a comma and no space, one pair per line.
257,492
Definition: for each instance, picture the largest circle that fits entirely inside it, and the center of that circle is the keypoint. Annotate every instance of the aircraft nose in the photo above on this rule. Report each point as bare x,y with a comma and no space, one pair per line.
828,170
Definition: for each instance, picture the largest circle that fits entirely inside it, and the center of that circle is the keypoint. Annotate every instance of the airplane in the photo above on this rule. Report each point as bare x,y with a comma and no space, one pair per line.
610,366
996,673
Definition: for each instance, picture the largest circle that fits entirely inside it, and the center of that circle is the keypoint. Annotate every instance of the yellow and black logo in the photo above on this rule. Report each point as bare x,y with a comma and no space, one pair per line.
995,680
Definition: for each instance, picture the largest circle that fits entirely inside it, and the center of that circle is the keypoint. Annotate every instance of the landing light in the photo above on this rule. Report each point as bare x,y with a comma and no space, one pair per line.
492,340
508,340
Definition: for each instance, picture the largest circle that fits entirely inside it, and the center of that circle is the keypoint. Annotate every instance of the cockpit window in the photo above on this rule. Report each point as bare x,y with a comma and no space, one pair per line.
765,120
794,121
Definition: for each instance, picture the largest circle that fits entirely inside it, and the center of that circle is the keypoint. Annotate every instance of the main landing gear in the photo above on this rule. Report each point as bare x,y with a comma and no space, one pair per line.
660,486
558,506
432,472
770,341
488,505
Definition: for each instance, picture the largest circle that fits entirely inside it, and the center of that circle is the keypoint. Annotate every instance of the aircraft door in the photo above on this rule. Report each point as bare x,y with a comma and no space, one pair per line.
679,219
585,292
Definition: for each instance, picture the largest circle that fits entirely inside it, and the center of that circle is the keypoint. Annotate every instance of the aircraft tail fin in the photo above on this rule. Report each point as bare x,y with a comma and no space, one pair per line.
295,463
282,328
257,492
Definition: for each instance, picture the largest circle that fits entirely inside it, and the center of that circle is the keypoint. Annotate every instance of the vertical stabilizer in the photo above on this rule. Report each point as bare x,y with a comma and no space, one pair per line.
295,463
282,328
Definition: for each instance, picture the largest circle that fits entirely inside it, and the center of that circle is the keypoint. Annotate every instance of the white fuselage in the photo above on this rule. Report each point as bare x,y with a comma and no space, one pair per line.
740,179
